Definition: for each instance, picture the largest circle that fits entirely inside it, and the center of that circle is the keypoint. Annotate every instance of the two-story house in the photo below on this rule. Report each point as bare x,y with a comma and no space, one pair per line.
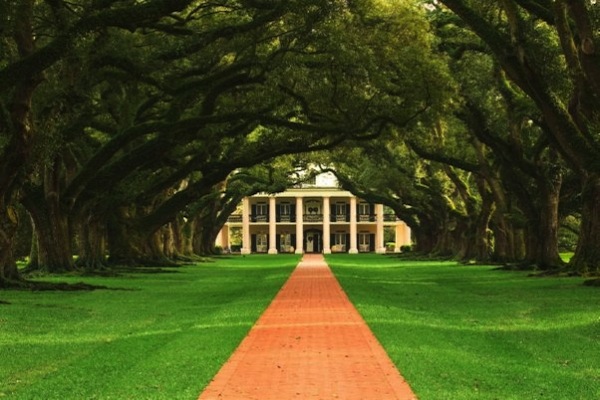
313,218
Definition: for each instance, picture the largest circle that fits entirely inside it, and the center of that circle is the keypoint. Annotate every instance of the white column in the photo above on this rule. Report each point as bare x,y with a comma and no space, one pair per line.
326,227
219,240
223,238
246,245
353,248
226,244
407,234
299,226
402,235
272,226
379,236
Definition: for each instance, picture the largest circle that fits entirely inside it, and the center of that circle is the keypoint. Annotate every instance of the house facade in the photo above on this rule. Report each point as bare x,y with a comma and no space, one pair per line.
313,218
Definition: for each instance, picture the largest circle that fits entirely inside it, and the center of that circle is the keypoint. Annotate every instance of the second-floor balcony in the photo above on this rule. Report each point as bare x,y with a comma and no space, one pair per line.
359,218
390,217
312,218
259,218
286,218
340,218
235,218
366,218
238,218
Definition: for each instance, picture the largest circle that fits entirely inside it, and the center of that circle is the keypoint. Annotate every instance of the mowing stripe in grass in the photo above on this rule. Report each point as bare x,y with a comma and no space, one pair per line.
165,338
471,332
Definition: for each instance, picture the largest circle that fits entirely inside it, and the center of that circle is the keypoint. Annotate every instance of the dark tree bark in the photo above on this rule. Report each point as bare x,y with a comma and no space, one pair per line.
204,238
425,237
214,215
533,182
543,245
183,237
91,243
51,219
8,229
586,260
17,127
483,248
570,122
53,232
128,245
509,246
473,224
33,263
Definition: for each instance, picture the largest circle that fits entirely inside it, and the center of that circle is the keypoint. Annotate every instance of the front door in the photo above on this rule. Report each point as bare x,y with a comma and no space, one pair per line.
313,242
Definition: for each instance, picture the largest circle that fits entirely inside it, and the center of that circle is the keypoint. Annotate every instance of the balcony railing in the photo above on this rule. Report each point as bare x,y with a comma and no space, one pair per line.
235,218
359,218
367,218
259,218
390,217
312,218
286,218
340,218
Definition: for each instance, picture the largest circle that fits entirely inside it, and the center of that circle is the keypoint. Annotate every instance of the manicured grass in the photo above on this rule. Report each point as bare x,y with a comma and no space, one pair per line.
150,336
469,332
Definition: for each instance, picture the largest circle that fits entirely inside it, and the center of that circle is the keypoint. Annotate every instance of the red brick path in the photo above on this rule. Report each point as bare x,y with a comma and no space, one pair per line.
310,343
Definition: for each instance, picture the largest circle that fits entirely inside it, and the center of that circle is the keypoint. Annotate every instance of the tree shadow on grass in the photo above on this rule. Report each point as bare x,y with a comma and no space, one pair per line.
592,282
117,271
39,286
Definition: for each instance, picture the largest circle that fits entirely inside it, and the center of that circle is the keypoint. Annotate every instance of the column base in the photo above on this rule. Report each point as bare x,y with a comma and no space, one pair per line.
245,251
299,251
327,251
353,251
273,251
381,250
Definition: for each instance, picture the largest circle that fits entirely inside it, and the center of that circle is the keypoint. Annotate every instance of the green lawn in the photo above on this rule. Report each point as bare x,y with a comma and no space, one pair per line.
469,332
455,332
151,336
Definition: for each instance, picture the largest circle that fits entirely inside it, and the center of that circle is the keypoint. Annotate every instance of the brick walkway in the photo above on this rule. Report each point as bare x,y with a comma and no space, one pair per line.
310,343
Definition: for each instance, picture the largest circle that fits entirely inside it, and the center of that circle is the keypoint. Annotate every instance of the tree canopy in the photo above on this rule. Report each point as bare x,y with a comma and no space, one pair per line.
129,130
121,118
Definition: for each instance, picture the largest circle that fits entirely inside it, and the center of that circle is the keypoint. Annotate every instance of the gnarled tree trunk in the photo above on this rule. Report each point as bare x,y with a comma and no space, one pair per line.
205,236
8,228
131,246
91,243
53,236
17,127
542,237
586,260
51,224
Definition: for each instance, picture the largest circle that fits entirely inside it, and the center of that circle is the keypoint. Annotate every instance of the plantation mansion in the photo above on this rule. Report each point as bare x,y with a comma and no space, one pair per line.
312,218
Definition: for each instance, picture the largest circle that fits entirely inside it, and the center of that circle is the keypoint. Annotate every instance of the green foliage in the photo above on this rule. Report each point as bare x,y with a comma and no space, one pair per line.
568,233
174,104
181,108
471,332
